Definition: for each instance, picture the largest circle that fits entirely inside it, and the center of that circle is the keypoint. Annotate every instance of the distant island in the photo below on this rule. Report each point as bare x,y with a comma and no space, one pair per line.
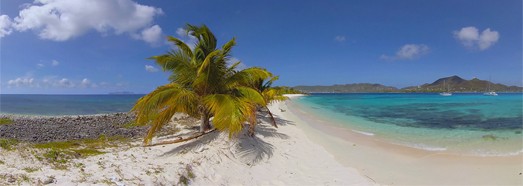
452,83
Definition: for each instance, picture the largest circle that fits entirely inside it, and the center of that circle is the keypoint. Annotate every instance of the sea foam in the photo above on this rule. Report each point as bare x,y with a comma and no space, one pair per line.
364,133
423,146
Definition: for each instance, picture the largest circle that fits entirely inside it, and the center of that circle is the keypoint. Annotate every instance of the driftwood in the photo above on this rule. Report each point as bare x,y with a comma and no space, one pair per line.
180,139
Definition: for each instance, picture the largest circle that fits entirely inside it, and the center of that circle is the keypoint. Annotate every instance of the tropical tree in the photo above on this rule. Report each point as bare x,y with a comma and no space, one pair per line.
202,86
270,95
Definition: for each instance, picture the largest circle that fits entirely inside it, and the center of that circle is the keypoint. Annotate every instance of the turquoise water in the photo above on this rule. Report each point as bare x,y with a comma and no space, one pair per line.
65,104
462,123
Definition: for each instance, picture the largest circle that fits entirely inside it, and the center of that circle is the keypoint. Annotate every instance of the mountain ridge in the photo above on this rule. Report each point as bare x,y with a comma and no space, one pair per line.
452,83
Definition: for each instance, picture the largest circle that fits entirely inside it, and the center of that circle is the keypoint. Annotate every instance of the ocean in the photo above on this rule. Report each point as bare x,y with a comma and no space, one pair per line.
463,123
58,105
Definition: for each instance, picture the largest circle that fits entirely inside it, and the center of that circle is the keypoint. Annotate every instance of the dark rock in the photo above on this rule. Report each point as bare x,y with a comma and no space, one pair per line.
46,129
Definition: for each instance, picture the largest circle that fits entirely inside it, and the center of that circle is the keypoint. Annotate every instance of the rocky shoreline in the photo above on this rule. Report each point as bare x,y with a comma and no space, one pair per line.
41,129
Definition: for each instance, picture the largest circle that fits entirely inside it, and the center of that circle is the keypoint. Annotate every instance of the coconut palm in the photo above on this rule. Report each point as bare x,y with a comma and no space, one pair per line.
202,85
270,95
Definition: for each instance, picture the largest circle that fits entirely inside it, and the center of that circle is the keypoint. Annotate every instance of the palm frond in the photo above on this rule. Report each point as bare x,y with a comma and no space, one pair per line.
227,47
229,112
247,77
182,46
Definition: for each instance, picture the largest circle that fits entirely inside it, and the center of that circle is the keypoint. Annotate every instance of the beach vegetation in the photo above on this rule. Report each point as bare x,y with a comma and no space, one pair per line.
25,178
203,84
57,156
31,169
288,90
130,125
270,94
183,180
97,143
5,121
8,144
186,176
79,165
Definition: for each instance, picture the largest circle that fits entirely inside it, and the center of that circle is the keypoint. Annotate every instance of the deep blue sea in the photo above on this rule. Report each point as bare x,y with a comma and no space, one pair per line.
65,104
464,123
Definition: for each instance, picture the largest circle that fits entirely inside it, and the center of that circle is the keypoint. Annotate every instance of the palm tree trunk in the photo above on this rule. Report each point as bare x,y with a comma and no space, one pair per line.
272,117
252,124
205,125
251,130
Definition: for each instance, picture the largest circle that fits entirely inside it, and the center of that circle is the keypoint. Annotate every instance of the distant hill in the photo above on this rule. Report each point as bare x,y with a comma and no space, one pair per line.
348,88
458,84
452,83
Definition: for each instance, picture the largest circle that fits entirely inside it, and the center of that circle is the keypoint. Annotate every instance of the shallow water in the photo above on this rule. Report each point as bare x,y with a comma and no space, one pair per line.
462,123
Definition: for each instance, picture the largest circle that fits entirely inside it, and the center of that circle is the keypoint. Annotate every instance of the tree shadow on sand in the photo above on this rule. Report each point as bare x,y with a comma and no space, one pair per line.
193,144
248,150
265,117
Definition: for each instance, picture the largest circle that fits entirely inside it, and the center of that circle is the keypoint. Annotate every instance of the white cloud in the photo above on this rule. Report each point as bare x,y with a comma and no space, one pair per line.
5,26
40,65
55,63
487,38
186,37
61,20
151,35
21,81
50,82
64,82
340,38
85,81
150,68
471,38
181,32
408,52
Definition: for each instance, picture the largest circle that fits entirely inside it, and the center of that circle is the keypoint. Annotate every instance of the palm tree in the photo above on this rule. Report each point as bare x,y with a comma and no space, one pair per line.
270,95
202,85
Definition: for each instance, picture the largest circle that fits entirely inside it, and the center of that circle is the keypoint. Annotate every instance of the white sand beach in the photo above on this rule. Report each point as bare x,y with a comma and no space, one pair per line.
390,164
303,150
282,156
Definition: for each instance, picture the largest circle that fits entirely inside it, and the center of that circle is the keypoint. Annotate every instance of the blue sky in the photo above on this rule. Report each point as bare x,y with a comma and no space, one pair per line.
100,46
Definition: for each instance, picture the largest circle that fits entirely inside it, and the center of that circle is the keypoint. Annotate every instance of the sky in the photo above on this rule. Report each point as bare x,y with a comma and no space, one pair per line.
102,46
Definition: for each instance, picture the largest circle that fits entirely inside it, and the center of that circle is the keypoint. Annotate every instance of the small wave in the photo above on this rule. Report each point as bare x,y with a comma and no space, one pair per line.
364,133
501,154
424,147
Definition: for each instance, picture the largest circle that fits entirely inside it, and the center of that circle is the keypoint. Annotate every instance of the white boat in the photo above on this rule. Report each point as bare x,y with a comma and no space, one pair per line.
490,92
446,93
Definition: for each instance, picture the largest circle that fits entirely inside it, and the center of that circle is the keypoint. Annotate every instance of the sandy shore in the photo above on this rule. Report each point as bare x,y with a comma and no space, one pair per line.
391,164
282,156
304,150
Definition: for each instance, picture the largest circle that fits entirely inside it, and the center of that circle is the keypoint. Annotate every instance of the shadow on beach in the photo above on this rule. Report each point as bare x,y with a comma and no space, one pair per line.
248,150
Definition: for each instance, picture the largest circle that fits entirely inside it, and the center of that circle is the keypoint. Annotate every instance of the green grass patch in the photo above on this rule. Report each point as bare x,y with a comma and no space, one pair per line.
58,145
57,156
88,152
5,121
8,144
31,169
98,143
25,178
131,124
